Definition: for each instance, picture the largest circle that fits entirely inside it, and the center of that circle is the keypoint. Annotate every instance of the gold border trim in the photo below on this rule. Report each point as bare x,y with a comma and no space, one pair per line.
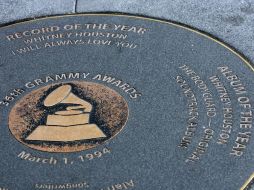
245,185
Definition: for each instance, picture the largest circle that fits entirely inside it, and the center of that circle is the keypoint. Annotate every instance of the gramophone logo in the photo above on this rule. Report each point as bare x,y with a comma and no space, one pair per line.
68,117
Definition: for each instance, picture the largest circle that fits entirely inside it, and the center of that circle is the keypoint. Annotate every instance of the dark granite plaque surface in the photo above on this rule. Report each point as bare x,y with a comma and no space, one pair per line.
107,102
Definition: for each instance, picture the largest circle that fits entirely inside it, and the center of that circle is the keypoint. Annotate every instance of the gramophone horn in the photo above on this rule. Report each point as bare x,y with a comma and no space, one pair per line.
63,94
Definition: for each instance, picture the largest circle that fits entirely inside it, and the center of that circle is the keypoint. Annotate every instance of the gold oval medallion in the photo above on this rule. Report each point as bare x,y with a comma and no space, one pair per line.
68,117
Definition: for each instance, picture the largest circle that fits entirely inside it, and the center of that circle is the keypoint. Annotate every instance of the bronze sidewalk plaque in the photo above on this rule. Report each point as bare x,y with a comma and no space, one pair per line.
115,102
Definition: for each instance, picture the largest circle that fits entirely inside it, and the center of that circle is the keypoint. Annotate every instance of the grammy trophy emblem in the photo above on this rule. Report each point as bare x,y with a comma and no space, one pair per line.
68,117
69,125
